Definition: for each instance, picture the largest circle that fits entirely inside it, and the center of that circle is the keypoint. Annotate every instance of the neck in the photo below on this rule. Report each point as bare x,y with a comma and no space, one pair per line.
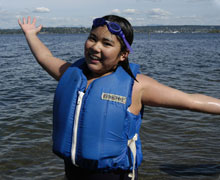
92,75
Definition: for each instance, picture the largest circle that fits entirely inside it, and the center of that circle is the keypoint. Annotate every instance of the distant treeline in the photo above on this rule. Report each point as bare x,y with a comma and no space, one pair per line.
177,29
137,29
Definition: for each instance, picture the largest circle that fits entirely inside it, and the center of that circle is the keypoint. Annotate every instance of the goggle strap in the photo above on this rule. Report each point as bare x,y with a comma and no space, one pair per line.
101,21
127,45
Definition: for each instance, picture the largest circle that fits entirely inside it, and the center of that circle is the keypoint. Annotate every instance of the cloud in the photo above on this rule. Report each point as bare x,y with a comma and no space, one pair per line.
130,11
116,11
125,11
189,20
41,10
26,11
7,20
58,21
3,11
158,13
217,2
199,1
129,18
148,0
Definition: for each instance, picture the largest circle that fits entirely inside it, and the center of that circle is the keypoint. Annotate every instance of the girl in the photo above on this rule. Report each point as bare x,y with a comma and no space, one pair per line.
99,98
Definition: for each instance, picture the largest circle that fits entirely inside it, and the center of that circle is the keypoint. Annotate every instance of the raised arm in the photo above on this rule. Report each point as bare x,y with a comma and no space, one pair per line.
156,94
54,66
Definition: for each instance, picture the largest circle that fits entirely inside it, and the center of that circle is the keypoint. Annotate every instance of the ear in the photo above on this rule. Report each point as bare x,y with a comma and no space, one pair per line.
123,55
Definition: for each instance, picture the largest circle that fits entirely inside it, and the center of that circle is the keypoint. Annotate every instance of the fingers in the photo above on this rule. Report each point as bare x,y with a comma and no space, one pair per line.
34,21
24,20
19,22
28,21
39,28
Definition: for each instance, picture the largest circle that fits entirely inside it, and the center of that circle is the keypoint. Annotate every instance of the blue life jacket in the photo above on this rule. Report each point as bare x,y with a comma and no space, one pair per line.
94,129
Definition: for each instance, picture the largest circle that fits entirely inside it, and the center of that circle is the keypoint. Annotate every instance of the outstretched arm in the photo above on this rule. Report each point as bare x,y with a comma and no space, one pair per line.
156,94
54,66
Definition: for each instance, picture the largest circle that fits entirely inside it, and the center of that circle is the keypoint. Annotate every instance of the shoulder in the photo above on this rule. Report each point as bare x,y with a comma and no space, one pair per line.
142,77
144,81
139,89
142,85
146,89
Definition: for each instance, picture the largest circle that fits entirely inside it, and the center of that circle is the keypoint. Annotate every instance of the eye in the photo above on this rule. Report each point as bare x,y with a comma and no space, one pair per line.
107,44
92,38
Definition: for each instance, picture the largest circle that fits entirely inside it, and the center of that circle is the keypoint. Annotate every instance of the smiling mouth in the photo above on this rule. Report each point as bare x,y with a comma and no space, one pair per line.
94,58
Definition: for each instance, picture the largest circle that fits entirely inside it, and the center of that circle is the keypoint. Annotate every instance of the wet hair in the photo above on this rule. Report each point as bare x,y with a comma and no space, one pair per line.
129,35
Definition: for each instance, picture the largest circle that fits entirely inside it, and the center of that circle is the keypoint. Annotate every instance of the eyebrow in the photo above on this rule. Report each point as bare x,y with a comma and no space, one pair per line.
110,40
104,39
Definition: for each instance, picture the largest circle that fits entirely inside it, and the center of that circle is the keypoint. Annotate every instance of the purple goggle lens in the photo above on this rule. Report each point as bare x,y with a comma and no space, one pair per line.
113,27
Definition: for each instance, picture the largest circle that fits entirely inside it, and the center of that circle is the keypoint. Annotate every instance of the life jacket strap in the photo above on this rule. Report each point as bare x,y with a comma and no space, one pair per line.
132,146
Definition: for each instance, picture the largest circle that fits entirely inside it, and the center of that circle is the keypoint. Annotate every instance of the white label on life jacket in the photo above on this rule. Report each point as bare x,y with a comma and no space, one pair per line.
75,127
113,97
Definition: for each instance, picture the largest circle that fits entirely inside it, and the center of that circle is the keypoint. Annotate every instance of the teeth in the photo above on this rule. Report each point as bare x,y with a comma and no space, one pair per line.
94,57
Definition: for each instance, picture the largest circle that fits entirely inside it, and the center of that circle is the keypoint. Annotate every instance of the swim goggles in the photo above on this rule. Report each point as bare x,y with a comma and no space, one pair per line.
113,27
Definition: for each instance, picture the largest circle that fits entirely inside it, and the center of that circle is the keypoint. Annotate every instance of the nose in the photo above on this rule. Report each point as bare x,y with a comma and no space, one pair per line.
96,47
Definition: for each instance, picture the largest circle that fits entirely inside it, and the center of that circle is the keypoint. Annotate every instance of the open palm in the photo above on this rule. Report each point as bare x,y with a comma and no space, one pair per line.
29,27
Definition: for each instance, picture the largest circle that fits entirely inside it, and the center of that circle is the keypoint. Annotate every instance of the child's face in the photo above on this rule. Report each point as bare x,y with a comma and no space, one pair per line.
102,51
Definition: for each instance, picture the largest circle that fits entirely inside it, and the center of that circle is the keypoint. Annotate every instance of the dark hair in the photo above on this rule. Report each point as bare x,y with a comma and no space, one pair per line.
126,28
129,35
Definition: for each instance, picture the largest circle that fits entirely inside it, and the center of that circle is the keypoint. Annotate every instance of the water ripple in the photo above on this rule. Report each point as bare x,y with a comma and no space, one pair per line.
176,144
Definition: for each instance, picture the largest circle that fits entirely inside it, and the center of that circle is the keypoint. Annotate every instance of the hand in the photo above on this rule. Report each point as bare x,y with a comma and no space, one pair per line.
28,27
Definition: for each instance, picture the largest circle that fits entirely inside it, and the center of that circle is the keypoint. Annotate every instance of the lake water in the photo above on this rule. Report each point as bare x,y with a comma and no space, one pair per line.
176,144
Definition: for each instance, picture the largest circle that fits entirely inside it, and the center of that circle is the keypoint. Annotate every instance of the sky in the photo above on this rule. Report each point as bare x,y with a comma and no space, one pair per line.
80,13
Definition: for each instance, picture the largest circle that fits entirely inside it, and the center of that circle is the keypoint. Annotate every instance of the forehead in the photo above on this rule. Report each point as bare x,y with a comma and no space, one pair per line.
103,32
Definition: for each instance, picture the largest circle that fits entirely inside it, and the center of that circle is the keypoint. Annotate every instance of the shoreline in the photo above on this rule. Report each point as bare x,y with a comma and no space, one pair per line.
137,29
